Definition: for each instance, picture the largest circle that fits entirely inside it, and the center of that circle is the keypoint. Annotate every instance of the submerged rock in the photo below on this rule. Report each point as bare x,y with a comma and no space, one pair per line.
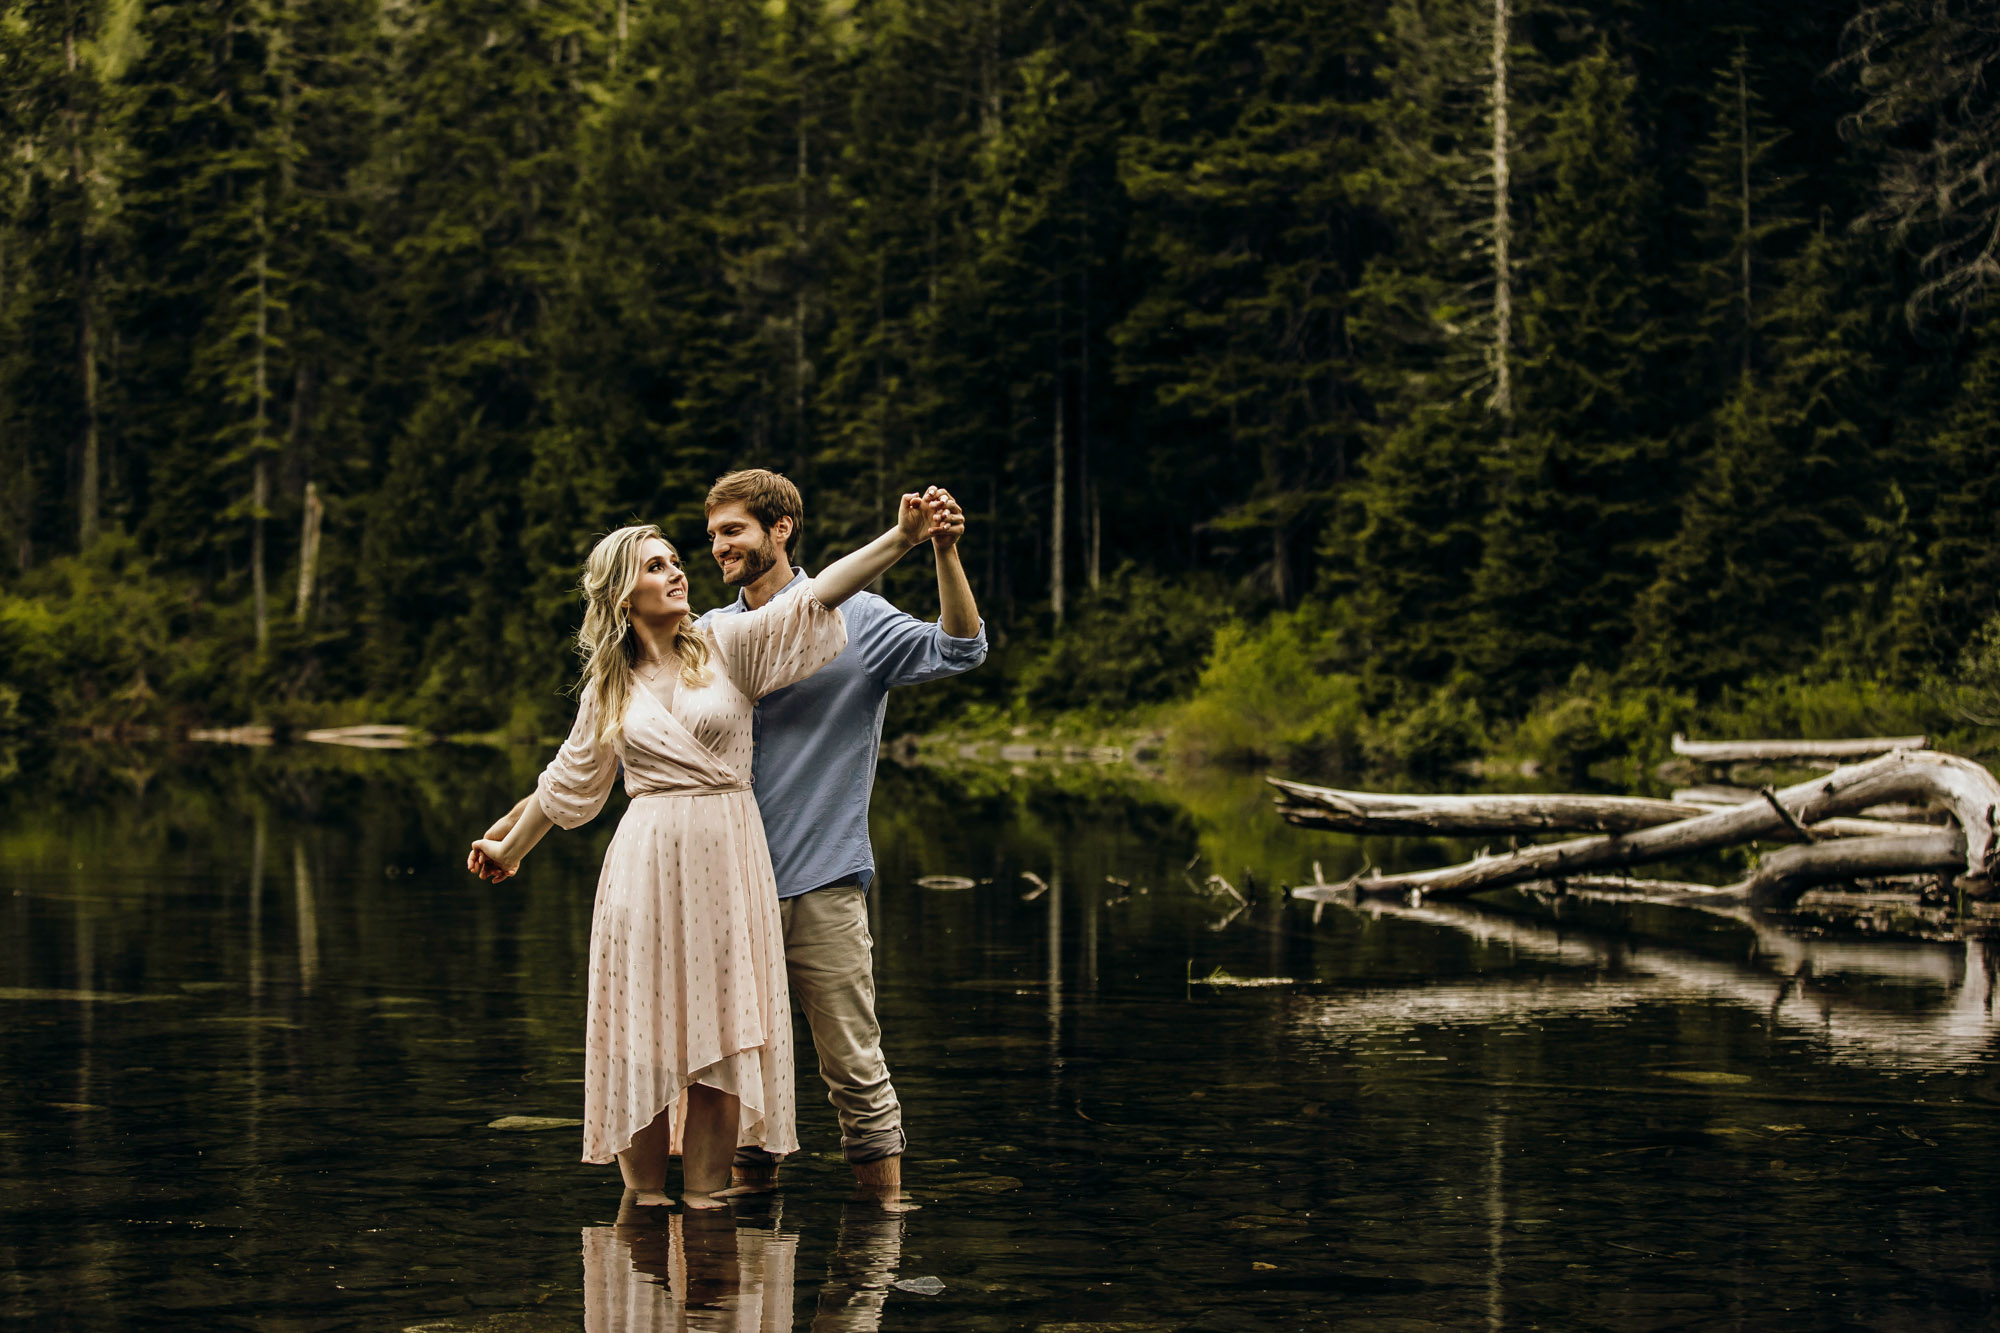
526,1123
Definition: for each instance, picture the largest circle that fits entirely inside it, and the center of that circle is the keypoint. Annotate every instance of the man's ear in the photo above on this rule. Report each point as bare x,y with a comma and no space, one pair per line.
781,531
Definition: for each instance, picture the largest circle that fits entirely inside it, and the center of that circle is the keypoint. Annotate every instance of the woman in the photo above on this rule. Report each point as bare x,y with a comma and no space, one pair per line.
688,1044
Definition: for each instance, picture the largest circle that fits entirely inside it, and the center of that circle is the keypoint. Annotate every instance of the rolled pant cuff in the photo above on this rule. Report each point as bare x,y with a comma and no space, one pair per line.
752,1158
873,1146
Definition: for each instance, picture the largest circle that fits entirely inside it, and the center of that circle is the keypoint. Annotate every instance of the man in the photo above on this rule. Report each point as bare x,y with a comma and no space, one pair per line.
813,773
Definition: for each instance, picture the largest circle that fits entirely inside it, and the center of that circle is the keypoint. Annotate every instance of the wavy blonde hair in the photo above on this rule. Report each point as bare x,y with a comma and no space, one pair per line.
609,648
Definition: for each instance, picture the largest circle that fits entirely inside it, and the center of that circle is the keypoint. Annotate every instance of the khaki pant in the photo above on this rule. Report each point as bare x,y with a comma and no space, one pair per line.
829,958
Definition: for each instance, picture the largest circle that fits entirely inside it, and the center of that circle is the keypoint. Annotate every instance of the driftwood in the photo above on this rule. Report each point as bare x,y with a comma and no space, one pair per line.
1895,811
1736,752
1784,876
373,736
1371,812
1965,789
1473,816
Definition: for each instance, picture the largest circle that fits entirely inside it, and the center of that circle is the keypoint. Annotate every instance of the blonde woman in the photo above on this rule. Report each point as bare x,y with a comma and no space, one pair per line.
688,1038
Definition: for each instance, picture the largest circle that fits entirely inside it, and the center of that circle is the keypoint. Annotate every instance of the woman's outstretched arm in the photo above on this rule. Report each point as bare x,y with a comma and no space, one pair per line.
918,517
504,855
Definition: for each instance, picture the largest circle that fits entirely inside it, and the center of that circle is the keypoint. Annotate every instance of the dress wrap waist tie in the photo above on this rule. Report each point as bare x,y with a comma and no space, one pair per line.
722,790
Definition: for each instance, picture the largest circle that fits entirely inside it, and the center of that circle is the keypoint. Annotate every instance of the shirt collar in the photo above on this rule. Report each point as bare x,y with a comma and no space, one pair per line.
742,602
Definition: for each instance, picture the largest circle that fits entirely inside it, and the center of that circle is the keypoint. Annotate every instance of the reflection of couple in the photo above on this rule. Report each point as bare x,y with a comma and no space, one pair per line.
713,1271
699,921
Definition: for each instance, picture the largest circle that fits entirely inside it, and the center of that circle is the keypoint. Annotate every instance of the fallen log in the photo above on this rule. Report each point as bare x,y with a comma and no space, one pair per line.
1381,813
1783,877
1895,811
1374,812
1967,790
1733,752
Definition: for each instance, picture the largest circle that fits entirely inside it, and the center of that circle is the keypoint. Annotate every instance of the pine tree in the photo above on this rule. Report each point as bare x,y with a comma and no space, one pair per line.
916,386
1436,315
1244,177
1931,117
58,59
476,178
1585,491
1762,565
1743,209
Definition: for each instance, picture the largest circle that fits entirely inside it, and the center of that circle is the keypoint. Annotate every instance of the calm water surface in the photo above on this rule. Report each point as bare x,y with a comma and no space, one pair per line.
257,1027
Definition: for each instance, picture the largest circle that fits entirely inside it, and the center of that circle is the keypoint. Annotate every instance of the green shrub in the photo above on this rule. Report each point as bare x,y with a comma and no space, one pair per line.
99,640
1271,694
1138,639
1815,707
1444,728
1597,719
1970,691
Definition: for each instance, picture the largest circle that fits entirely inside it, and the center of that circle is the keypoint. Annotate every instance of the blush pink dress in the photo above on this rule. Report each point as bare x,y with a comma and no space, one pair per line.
687,958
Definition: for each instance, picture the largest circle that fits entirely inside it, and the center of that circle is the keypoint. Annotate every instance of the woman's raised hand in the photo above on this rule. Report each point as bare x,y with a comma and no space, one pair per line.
921,517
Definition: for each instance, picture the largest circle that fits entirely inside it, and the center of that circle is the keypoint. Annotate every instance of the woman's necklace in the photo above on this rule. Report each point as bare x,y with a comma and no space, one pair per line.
653,674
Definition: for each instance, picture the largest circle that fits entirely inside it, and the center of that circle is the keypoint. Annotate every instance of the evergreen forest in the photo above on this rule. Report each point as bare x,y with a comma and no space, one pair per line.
1375,381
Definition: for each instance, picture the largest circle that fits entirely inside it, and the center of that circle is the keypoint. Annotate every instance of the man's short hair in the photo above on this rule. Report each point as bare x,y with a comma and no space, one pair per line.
766,494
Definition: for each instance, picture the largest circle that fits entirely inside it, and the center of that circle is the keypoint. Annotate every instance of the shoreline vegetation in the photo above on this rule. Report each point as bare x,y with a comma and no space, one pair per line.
1269,695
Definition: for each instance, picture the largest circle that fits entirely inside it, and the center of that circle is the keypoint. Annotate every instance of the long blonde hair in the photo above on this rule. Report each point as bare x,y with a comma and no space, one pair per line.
609,648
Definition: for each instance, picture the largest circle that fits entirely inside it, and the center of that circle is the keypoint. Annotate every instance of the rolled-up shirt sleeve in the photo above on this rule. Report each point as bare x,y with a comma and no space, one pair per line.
578,781
898,649
780,643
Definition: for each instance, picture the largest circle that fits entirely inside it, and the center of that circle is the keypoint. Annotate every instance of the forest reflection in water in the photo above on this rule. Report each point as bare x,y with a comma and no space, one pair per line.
269,1058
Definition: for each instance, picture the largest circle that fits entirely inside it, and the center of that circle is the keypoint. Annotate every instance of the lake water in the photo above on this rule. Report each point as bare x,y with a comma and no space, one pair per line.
257,1027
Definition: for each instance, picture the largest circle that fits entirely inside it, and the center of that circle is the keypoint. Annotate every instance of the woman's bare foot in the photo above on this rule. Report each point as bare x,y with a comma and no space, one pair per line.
703,1202
652,1198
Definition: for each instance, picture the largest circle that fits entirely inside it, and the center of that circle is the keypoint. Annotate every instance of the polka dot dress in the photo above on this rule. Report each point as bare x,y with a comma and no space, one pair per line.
687,959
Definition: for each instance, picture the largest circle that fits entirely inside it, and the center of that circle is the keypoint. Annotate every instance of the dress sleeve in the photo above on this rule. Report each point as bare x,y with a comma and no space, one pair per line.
780,643
578,781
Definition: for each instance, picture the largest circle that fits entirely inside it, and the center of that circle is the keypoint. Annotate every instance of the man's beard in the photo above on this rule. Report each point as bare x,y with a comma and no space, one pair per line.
754,565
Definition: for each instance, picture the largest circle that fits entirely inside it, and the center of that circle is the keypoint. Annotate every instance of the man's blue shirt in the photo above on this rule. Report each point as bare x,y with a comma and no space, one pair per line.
817,740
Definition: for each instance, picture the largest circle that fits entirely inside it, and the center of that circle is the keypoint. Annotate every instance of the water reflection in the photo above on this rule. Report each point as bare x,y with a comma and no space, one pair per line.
865,1257
661,1271
657,1270
270,1059
1935,1013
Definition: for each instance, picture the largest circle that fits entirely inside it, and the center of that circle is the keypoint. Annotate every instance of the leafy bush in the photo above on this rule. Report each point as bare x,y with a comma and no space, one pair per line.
1970,691
1596,719
1272,694
99,640
1444,728
1814,706
1137,640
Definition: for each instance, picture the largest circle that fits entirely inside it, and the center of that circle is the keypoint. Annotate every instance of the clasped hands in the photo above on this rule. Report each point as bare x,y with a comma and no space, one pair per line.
933,517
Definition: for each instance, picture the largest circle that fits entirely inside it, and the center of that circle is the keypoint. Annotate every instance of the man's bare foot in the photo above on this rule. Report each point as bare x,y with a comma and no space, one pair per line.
888,1203
750,1180
703,1202
881,1183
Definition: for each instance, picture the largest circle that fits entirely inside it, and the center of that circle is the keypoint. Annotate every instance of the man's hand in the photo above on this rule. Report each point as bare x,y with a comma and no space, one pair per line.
920,516
951,524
